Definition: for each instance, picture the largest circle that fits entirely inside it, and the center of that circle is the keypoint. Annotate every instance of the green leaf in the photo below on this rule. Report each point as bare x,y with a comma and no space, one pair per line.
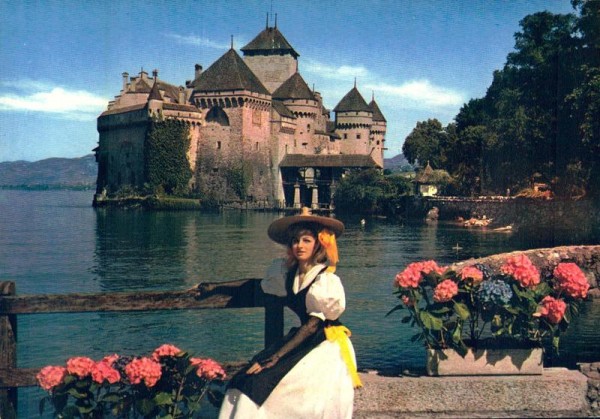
163,398
73,392
430,322
398,307
111,398
462,311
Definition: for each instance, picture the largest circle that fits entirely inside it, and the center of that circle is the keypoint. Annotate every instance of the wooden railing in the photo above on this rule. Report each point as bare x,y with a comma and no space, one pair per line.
246,293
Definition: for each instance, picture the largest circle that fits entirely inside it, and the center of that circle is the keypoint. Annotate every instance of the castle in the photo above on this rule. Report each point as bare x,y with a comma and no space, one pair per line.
256,114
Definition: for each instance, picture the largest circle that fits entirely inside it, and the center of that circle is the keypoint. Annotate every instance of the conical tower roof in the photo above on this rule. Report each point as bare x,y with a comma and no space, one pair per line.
377,114
154,92
352,102
269,42
294,88
229,72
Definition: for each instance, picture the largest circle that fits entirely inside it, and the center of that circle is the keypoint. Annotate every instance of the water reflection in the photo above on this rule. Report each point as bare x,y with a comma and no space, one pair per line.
56,242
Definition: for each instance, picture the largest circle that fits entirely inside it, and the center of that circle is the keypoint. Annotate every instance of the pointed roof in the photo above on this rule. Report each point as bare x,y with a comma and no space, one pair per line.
425,175
353,101
229,72
377,114
154,92
269,42
282,109
294,88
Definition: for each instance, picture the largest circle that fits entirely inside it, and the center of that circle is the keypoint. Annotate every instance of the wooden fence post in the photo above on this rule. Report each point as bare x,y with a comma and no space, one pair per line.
8,354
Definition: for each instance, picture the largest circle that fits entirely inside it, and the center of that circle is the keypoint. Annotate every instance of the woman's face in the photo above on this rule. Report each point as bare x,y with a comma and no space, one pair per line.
303,247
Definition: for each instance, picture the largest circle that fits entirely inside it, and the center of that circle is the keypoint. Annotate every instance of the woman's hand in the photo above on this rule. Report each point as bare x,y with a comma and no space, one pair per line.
259,366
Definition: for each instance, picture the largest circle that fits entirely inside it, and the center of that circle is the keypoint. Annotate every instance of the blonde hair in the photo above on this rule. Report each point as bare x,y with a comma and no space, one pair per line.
301,229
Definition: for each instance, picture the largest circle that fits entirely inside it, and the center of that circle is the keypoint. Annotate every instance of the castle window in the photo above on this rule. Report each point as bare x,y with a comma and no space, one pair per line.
256,146
345,136
218,116
358,136
218,145
308,128
256,117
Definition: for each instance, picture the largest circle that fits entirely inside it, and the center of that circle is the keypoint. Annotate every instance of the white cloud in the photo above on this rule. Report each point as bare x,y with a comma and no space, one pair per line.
38,96
420,94
197,41
345,72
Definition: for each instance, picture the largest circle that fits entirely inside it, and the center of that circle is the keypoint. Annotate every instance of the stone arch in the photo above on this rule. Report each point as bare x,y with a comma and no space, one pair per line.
217,115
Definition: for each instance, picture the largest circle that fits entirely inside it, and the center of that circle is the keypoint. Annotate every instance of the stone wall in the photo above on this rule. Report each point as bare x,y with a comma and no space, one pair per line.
577,217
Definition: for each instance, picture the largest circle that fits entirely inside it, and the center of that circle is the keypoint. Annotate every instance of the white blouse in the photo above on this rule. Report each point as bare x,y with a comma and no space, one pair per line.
325,299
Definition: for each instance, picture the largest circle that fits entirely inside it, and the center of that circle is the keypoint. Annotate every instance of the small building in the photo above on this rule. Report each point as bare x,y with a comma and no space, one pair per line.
425,182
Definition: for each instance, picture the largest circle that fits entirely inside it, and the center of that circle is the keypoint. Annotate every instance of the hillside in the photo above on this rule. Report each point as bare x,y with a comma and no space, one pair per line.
78,172
81,172
397,163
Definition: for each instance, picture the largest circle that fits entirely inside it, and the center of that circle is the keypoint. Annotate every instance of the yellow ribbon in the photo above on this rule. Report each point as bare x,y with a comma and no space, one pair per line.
340,334
327,240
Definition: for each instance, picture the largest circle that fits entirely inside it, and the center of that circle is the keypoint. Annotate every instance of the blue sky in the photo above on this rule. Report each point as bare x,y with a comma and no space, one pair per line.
61,61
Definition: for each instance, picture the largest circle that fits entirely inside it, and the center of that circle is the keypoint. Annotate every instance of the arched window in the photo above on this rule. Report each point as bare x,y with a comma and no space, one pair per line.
216,114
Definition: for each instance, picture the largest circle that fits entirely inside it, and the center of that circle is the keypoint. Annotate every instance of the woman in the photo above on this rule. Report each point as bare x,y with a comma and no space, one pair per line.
311,372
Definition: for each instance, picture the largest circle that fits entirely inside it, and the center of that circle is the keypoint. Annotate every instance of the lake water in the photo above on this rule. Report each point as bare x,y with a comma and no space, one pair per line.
55,242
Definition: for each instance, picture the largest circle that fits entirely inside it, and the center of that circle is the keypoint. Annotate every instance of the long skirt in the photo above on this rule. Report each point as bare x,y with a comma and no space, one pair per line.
318,386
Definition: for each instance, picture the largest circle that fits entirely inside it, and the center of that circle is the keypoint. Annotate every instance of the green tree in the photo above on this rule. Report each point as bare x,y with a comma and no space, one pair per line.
166,165
425,143
366,192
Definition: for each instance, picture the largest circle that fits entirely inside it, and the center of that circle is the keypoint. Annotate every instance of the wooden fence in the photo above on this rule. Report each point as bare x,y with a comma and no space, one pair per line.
246,293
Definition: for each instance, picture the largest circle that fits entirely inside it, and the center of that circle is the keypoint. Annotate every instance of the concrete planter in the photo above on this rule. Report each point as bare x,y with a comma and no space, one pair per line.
497,361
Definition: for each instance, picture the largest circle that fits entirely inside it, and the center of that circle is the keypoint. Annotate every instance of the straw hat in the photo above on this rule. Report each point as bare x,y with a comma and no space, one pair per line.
279,229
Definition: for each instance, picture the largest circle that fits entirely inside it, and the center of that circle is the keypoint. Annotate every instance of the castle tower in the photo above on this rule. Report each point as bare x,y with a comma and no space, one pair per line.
271,57
300,100
237,110
353,121
378,131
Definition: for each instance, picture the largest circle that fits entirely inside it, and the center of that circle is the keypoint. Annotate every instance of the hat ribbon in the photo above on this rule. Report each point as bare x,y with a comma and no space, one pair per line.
327,240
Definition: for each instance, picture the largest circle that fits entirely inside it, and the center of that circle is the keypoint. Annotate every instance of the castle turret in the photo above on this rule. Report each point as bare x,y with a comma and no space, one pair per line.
271,57
353,121
378,131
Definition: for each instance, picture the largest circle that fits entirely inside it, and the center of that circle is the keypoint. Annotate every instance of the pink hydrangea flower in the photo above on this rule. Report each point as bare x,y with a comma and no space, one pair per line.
51,376
208,369
413,274
80,366
104,371
571,280
445,290
165,350
431,266
145,369
522,270
110,359
471,274
407,301
552,309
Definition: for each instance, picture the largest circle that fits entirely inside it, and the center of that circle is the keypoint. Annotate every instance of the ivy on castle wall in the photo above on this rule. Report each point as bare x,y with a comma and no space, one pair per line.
165,157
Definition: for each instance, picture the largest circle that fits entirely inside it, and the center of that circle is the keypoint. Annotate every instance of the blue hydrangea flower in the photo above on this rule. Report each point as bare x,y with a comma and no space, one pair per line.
495,291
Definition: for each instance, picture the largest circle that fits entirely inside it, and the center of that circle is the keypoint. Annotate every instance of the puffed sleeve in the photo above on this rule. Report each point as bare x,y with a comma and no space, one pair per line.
326,298
274,280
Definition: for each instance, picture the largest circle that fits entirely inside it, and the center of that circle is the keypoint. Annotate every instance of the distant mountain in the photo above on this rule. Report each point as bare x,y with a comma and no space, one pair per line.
397,163
52,173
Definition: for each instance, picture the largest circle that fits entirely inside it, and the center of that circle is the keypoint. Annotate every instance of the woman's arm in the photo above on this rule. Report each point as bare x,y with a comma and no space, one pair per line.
305,331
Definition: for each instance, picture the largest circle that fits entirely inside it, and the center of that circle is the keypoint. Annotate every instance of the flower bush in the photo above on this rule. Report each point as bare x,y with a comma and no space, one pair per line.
475,305
169,384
